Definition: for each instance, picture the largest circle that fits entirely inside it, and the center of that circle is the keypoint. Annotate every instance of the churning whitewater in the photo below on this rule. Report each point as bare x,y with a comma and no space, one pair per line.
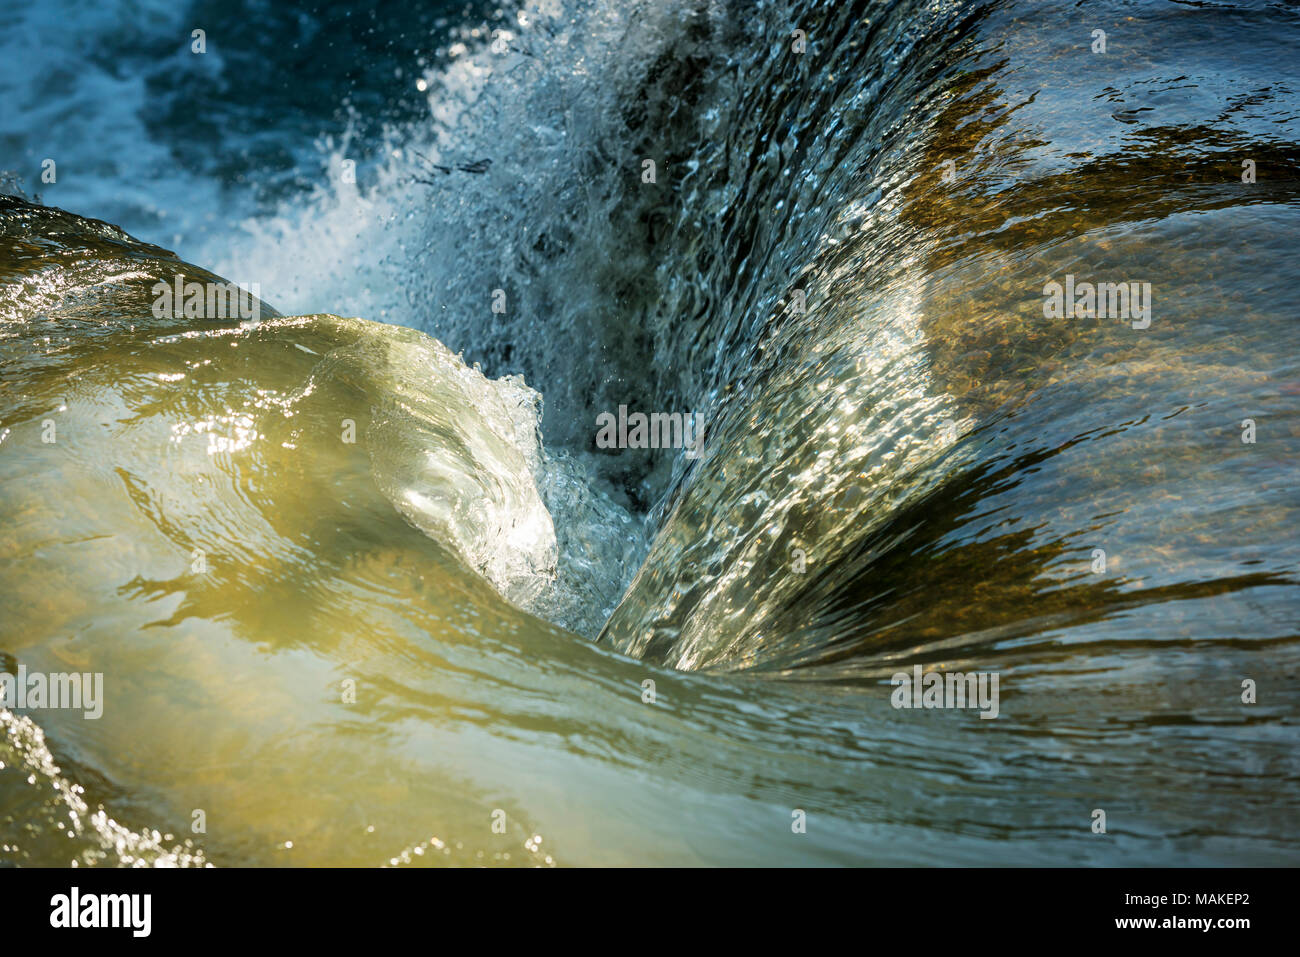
961,506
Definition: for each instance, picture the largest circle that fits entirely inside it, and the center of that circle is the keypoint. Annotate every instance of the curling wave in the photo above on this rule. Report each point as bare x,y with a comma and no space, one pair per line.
831,230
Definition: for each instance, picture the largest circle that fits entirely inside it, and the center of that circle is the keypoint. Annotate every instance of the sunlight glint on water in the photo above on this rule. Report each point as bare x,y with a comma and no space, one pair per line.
841,265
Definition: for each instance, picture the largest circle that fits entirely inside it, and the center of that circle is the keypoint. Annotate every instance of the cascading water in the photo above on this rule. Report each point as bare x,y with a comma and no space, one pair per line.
357,585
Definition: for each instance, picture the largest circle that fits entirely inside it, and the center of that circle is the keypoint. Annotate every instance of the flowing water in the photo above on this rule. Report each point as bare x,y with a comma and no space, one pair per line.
368,591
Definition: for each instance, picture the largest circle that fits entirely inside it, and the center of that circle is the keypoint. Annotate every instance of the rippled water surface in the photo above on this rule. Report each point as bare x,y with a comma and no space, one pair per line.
366,591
